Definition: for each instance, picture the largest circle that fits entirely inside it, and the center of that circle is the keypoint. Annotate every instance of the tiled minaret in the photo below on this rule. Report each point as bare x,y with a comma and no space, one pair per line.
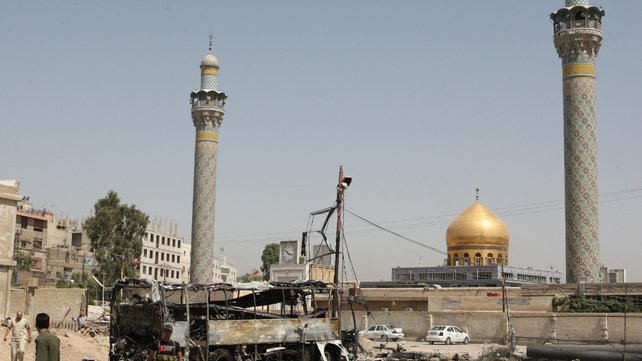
207,113
577,29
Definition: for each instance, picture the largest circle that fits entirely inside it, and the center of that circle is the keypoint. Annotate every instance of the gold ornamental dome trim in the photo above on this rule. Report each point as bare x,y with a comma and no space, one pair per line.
477,226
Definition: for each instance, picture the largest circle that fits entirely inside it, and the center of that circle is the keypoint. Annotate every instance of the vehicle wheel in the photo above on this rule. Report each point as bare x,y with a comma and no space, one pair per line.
220,354
384,338
466,341
447,342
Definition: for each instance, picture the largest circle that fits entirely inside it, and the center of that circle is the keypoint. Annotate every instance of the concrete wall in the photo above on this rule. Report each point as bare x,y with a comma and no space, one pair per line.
529,327
53,301
9,197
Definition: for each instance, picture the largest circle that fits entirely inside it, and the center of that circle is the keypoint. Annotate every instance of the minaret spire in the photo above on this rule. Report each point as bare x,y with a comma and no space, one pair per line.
477,195
577,34
208,105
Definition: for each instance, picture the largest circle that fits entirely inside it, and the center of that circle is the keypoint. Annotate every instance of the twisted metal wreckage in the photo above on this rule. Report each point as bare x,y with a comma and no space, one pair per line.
223,322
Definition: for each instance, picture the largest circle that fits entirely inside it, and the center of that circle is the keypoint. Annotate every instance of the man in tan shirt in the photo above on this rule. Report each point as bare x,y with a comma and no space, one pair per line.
20,335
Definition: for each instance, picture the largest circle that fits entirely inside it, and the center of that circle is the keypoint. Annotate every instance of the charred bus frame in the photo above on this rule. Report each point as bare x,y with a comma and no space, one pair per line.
223,322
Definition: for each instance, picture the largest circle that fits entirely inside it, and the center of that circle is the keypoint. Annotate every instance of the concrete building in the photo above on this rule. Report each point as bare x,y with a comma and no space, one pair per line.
470,276
577,34
224,271
9,198
608,275
56,247
163,256
207,114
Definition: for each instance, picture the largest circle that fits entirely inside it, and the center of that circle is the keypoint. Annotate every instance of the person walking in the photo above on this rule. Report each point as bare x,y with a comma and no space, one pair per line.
20,336
165,349
47,344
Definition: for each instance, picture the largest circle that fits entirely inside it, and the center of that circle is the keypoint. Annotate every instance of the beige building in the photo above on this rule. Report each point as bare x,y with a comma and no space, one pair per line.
162,257
56,247
9,197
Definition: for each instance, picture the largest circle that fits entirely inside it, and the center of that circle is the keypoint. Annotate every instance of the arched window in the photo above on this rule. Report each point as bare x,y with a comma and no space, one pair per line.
478,259
455,259
466,259
490,259
500,259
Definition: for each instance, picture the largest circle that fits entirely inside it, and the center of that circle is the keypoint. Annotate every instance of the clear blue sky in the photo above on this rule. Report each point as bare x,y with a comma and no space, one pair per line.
420,101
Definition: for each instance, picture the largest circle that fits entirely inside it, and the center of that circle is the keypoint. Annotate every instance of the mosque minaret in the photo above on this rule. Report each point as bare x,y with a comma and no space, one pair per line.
577,29
208,105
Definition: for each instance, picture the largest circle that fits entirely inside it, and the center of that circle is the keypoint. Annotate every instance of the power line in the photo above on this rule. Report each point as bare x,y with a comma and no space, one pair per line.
439,220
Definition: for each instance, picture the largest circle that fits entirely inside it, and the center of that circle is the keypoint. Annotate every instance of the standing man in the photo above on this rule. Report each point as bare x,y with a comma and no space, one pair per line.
165,349
47,344
20,335
80,320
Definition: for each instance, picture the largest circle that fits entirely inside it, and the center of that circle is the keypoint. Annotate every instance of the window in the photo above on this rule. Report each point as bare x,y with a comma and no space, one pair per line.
144,253
163,240
466,259
178,259
162,256
24,221
151,254
144,269
478,259
173,242
173,258
179,244
490,259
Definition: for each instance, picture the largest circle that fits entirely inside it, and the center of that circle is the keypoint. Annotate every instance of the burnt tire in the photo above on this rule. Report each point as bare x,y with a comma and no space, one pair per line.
220,354
466,341
448,341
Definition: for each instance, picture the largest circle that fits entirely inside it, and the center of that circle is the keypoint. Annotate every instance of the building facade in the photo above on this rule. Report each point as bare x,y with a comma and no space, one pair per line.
163,256
9,198
577,34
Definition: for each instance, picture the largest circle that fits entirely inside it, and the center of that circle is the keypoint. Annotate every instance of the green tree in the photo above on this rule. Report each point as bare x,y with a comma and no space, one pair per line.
269,257
116,231
24,261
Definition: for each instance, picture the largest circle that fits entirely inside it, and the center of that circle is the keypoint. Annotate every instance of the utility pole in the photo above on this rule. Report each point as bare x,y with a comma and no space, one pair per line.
344,183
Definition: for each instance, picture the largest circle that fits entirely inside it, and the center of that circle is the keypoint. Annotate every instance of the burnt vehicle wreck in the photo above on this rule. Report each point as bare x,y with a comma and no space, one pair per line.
223,322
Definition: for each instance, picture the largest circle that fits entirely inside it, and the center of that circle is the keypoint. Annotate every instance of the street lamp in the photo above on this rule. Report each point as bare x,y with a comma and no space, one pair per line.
344,183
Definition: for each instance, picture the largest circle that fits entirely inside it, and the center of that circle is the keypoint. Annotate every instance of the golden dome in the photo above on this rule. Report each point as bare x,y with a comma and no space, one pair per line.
477,226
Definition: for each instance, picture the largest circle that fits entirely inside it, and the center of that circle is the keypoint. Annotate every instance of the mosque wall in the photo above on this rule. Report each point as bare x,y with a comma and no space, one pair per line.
529,327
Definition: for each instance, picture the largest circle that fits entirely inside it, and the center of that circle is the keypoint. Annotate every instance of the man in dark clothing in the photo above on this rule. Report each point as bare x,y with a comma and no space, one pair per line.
165,349
47,344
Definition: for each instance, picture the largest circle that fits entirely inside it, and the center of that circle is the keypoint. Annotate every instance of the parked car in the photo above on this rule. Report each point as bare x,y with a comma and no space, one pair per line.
383,333
447,335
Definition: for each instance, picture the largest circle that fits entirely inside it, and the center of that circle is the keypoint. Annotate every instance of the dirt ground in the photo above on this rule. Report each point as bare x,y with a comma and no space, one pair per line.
74,346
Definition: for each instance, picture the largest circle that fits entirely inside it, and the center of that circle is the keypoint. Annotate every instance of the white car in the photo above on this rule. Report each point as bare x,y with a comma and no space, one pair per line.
447,335
383,333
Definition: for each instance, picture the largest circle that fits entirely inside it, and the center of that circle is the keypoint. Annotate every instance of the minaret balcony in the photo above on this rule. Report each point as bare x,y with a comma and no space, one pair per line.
577,18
